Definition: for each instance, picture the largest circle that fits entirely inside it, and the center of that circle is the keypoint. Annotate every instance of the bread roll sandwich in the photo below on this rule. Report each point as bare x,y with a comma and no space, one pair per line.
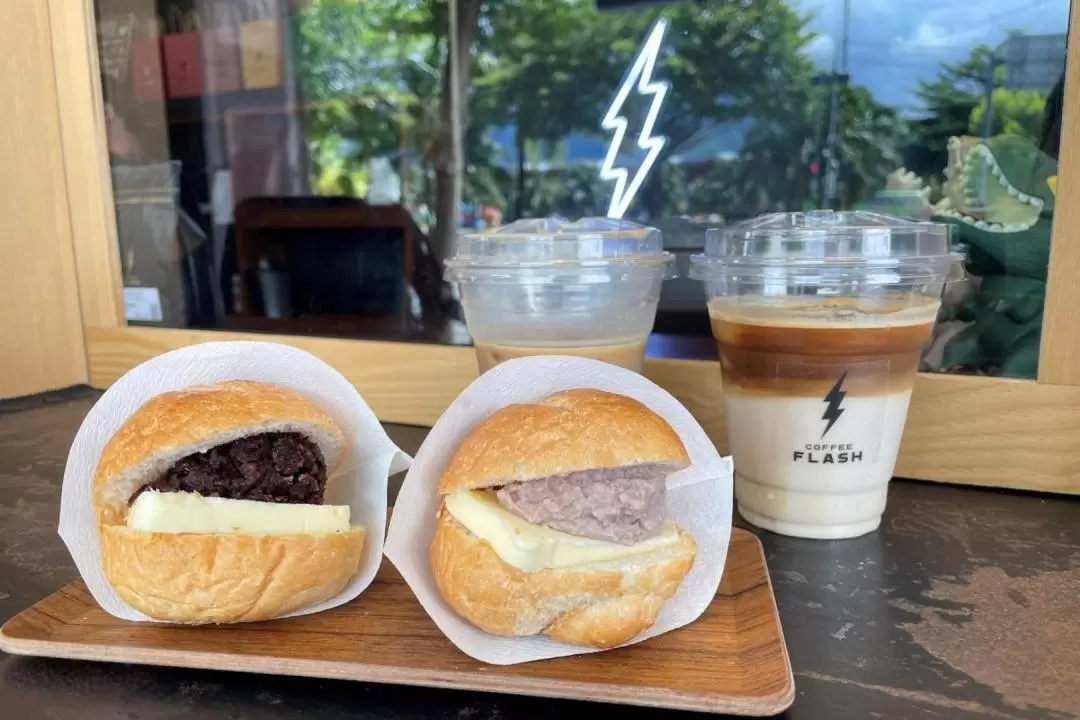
553,520
210,506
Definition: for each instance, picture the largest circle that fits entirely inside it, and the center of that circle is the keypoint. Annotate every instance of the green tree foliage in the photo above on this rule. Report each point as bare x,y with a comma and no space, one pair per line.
955,105
554,67
1015,112
373,75
367,73
870,139
948,103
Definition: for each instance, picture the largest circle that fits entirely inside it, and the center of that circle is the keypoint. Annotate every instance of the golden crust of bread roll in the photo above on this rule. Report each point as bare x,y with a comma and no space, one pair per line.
600,606
581,429
198,578
225,578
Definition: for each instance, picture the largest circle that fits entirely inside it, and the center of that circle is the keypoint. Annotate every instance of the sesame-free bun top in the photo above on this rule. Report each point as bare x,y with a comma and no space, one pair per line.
175,424
571,430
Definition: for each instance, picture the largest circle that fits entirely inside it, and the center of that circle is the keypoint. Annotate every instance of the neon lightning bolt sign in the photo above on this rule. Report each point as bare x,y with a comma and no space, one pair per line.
639,75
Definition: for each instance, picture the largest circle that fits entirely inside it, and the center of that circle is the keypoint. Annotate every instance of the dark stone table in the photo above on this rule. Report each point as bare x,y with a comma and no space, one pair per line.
964,605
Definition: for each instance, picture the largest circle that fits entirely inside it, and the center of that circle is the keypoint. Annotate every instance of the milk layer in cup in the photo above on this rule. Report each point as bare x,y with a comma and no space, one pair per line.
815,434
624,352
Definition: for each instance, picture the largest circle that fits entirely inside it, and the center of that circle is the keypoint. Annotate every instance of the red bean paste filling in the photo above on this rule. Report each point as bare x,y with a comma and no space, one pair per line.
271,467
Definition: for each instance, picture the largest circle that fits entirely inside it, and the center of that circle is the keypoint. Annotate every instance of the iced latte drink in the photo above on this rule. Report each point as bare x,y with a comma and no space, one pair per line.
550,287
820,320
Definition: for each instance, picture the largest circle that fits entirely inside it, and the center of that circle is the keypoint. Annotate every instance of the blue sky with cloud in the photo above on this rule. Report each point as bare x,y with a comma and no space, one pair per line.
895,43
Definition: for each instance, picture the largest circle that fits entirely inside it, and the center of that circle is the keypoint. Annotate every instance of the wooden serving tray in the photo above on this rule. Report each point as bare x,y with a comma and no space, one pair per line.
732,660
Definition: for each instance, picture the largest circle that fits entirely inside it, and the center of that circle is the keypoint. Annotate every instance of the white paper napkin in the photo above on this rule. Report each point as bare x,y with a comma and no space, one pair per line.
699,497
359,481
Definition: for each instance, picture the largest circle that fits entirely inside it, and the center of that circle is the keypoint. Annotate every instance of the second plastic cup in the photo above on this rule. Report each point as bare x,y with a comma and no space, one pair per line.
550,287
820,319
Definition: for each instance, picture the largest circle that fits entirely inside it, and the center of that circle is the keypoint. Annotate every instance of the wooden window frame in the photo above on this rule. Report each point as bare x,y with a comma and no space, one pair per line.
1021,434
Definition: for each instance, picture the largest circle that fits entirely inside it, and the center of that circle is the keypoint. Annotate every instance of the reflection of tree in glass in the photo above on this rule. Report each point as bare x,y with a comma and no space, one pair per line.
998,193
948,103
373,78
954,105
546,69
1016,112
366,84
550,69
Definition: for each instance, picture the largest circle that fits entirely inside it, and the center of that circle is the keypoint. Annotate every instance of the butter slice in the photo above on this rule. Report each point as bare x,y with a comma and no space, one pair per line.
186,512
531,547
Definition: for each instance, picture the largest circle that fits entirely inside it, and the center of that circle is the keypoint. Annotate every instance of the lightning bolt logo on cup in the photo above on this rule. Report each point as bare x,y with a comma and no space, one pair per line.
833,398
640,75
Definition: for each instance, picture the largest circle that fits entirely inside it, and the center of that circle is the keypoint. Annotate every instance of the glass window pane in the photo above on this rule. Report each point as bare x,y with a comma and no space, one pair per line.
931,111
305,166
275,164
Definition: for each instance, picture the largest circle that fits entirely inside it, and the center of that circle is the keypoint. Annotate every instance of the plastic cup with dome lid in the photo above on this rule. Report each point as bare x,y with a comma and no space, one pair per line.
820,319
549,286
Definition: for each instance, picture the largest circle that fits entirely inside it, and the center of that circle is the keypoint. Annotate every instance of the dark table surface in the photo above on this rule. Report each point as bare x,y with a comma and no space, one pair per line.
964,605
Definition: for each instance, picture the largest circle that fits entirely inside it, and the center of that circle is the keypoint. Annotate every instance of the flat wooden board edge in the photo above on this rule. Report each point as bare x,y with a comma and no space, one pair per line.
17,644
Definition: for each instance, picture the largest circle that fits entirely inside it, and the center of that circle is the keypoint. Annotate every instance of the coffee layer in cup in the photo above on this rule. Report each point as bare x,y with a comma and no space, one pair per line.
628,353
800,347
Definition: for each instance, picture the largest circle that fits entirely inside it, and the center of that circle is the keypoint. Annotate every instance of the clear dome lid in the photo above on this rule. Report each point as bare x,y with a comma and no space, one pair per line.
830,241
553,241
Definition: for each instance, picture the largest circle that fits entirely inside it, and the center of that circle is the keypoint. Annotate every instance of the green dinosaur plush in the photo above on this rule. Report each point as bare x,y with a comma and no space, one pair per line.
999,200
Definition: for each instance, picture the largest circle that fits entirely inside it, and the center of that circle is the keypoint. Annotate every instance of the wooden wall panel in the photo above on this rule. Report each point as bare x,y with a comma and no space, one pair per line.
971,430
86,161
408,383
41,343
1059,355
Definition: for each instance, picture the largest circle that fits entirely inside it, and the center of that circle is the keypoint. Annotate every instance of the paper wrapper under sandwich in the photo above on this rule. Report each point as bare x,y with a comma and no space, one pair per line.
699,498
359,481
